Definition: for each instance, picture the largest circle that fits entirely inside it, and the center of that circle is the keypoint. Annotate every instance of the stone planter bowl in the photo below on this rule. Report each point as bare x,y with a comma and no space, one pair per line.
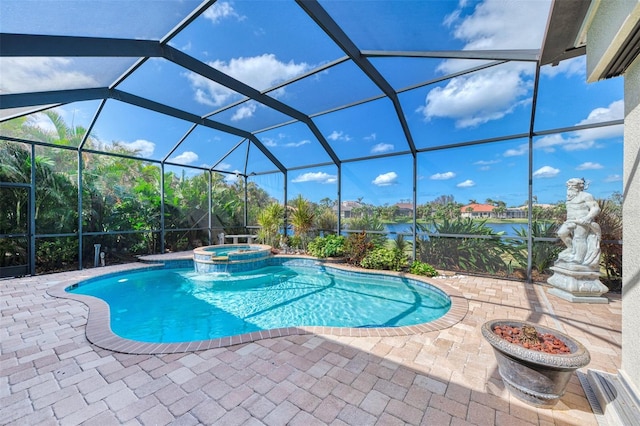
535,377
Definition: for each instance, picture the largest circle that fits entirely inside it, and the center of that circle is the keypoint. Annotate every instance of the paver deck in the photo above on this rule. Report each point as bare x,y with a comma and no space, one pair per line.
51,374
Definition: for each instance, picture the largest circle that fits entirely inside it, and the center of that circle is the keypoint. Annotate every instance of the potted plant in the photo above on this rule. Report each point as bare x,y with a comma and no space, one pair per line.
535,362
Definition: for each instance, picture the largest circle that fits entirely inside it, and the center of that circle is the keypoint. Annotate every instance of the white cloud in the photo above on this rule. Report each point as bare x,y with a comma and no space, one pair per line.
586,139
269,142
569,67
520,150
615,111
547,143
386,179
245,111
186,157
443,176
580,139
496,24
272,143
478,98
297,144
41,74
220,10
319,177
589,166
486,162
142,147
546,172
466,184
339,136
613,178
491,94
230,179
499,24
260,72
223,166
590,136
381,147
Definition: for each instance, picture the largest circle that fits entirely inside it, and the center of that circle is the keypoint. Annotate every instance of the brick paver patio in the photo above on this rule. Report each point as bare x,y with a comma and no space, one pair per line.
51,374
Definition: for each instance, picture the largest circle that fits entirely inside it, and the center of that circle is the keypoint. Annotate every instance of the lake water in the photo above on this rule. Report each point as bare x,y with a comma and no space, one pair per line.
507,228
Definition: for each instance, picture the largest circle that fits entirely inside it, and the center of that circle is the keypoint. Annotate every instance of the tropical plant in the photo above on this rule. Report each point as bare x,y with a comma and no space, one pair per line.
54,194
401,244
119,193
482,254
356,247
301,216
369,222
327,246
610,221
326,220
543,253
270,220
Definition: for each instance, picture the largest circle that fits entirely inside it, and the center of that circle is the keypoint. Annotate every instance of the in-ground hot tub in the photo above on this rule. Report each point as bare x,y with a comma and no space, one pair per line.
230,258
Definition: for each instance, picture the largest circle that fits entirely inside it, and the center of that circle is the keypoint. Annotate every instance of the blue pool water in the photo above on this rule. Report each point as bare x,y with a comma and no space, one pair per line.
225,250
178,305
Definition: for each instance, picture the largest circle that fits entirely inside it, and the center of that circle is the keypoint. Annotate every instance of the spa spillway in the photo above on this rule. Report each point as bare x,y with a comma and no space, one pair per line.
230,258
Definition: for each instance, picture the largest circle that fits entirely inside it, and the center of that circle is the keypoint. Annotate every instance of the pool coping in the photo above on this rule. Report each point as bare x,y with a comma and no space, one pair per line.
99,333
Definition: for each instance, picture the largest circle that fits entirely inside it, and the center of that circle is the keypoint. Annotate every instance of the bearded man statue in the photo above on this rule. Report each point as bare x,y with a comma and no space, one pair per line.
580,234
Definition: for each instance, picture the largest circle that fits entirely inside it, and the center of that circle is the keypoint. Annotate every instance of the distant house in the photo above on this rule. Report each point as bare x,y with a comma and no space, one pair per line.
477,211
346,208
516,213
405,209
480,211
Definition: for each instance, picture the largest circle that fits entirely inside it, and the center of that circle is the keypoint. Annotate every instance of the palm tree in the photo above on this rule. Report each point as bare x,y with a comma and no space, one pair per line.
270,220
301,217
326,220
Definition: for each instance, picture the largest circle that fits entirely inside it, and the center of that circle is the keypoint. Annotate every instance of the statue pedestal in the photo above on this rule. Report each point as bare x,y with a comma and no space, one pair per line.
577,283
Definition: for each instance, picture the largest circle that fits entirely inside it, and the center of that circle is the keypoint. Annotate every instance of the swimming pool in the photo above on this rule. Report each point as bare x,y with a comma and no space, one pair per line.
100,316
172,306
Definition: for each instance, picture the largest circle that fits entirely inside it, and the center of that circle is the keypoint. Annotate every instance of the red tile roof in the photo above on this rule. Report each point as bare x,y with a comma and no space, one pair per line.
477,208
408,206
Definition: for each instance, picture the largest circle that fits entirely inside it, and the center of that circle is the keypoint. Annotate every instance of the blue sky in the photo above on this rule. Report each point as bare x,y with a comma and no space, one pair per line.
266,43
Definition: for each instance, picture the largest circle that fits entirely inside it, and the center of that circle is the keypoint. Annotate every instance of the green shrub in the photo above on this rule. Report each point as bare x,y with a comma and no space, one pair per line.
328,246
421,268
384,258
57,254
295,242
356,247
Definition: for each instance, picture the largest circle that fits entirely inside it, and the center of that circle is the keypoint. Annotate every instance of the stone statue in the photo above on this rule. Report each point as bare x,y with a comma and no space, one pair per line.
577,270
579,232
